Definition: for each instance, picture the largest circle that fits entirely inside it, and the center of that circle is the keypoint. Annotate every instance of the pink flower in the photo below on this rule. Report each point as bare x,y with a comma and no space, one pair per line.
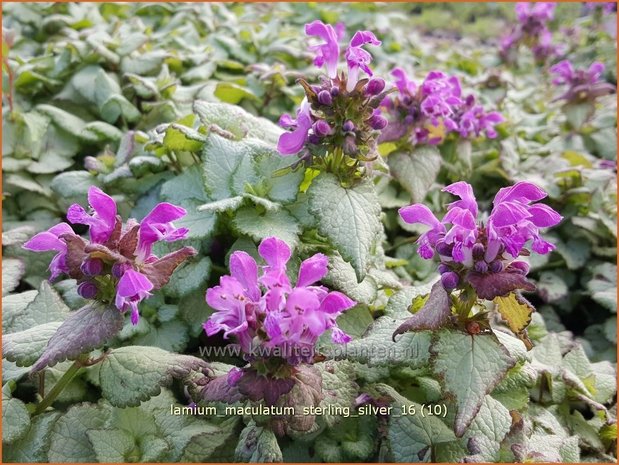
132,288
357,58
50,240
101,221
327,53
157,226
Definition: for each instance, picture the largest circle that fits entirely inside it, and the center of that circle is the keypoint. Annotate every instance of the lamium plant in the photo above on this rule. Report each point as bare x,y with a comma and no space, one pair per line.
480,256
338,122
274,324
261,237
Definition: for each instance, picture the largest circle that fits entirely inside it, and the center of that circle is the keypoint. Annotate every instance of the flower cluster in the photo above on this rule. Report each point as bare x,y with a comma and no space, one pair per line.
582,84
116,264
531,30
483,253
267,315
340,114
601,7
428,112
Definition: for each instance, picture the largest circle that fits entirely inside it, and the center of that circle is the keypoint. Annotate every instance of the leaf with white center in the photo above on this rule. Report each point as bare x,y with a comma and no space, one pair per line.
259,225
234,119
258,444
32,446
551,287
192,276
84,330
25,347
227,165
469,367
338,387
412,437
188,185
12,271
130,375
488,429
111,445
376,347
69,436
342,277
200,224
417,170
205,446
349,217
603,286
15,416
31,308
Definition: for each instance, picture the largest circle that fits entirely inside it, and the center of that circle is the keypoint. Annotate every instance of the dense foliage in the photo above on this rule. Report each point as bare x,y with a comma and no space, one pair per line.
335,208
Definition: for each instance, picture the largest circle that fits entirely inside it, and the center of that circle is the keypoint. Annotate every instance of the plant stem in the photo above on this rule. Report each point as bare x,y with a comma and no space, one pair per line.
59,387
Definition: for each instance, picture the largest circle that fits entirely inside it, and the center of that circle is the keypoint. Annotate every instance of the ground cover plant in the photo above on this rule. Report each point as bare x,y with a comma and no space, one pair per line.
309,232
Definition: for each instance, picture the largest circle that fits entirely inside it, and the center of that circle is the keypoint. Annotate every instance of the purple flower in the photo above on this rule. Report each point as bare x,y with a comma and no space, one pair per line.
266,309
327,53
132,288
357,58
101,221
429,112
50,241
290,143
540,11
157,226
471,249
120,258
582,84
402,82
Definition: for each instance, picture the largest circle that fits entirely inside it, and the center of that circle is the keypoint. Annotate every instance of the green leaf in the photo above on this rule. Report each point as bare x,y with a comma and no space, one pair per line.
270,223
69,436
412,437
72,187
342,277
488,429
29,309
188,185
227,165
181,138
15,416
192,276
111,445
230,92
130,375
258,445
25,347
12,271
84,330
200,224
172,335
349,217
205,445
577,114
469,367
338,387
416,171
551,287
63,119
237,121
32,446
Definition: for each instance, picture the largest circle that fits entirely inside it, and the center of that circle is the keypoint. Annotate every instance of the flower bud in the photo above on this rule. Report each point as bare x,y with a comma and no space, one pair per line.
375,86
87,290
443,268
93,164
378,122
406,100
496,266
444,249
350,145
92,266
348,126
322,128
450,280
324,97
481,266
335,91
118,269
520,267
314,139
478,251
